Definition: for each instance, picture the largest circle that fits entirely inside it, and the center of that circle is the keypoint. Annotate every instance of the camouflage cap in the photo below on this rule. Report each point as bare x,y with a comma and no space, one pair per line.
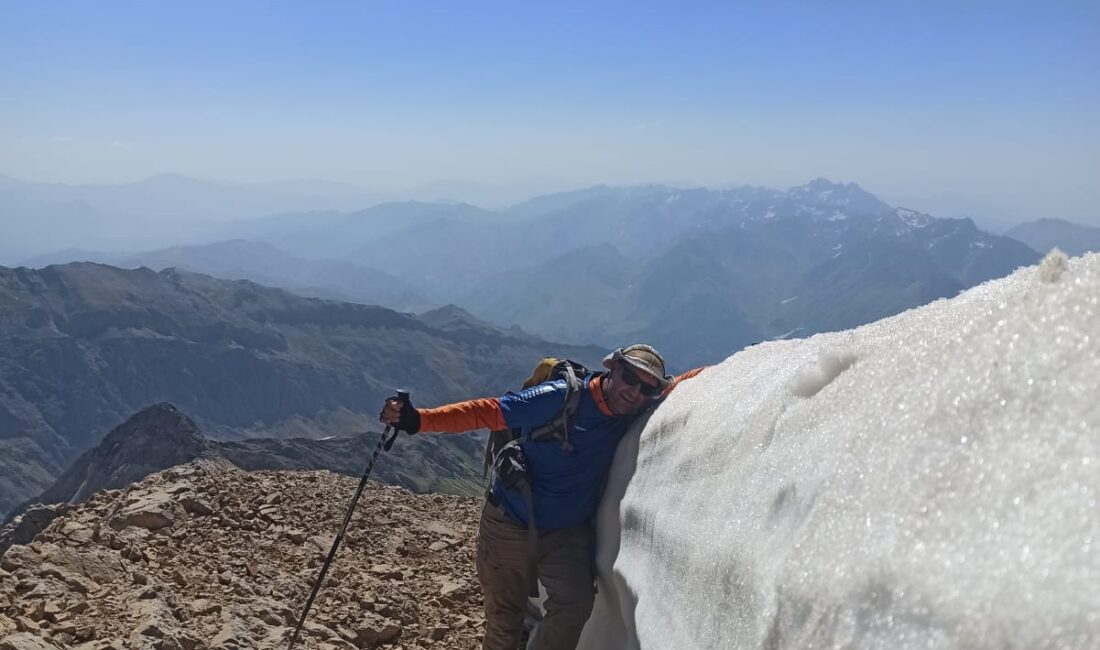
641,357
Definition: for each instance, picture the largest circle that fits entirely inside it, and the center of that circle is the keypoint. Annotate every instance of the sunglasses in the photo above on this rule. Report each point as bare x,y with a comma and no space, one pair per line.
631,378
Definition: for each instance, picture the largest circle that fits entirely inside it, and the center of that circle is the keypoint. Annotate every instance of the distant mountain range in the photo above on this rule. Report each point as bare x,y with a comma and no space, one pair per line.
183,197
155,212
700,273
740,267
1045,234
262,263
87,345
484,261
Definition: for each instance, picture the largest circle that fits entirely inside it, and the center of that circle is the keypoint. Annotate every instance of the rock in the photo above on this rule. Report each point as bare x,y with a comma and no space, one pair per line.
74,582
24,624
196,506
51,610
84,632
233,634
102,645
26,641
437,632
449,586
24,528
369,636
77,532
203,606
179,487
97,565
386,571
79,608
19,557
320,543
437,528
151,511
154,620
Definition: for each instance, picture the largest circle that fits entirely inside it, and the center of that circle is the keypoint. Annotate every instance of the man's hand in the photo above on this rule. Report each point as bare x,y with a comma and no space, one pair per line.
401,415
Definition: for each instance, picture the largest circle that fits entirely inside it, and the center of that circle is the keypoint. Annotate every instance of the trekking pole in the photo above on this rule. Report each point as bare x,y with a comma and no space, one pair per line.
384,443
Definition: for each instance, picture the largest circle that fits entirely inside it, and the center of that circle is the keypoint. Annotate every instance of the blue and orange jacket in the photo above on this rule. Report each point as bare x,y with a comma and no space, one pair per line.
565,485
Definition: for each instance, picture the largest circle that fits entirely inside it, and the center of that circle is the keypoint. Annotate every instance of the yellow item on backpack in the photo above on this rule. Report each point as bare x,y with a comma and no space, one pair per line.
542,372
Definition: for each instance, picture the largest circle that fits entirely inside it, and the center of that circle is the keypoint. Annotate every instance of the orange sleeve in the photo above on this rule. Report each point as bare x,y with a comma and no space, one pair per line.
679,378
482,413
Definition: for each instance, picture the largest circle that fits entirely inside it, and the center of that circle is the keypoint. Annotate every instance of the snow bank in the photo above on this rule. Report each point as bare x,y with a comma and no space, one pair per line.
926,481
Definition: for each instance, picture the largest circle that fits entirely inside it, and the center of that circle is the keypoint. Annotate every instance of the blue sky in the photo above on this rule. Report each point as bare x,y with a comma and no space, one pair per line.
956,105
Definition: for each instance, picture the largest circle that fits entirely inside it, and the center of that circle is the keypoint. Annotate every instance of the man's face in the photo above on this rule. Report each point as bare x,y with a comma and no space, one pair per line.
625,388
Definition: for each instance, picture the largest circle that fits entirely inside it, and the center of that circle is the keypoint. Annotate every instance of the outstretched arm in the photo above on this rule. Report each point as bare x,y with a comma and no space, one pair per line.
484,413
460,416
530,407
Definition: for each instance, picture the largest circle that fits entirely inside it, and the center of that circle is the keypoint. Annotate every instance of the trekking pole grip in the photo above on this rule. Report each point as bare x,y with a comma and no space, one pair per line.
402,397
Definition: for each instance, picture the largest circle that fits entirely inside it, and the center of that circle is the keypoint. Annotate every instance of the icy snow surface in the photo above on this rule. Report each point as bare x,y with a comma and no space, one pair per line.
926,481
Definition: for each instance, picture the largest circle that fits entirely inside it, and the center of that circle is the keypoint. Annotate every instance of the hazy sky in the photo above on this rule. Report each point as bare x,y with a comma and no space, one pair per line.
993,105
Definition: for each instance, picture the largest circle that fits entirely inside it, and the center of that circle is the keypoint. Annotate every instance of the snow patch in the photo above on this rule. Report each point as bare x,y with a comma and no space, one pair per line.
912,218
926,481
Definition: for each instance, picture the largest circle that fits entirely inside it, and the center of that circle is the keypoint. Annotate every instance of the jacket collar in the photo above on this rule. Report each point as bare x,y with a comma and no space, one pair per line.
595,386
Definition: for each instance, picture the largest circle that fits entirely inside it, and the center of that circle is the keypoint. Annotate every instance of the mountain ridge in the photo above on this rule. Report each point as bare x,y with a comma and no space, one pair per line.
88,345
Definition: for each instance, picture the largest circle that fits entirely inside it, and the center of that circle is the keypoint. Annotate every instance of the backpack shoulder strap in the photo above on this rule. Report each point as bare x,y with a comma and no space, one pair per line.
558,427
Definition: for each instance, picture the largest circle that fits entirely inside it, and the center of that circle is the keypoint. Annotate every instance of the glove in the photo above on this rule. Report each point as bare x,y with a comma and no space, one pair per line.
409,420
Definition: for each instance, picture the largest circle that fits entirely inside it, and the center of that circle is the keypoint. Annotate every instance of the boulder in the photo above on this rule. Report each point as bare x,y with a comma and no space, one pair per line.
150,511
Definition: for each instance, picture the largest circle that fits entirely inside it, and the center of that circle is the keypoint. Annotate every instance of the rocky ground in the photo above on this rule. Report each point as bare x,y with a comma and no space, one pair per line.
205,555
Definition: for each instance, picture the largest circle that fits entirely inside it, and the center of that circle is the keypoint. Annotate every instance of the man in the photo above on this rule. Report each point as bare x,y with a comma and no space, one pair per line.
565,483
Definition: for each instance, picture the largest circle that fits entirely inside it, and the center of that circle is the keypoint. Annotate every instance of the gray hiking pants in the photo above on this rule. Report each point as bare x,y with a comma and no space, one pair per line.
563,568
